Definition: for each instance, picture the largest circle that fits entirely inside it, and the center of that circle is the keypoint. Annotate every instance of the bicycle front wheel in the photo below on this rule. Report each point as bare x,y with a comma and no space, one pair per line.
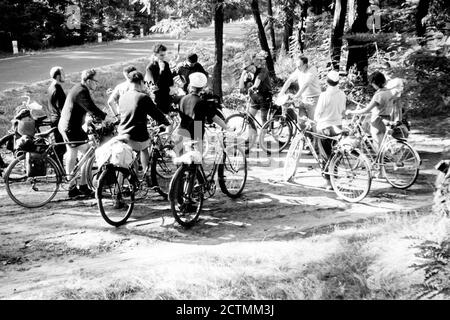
350,174
186,195
232,172
35,191
115,195
292,157
244,128
275,135
92,173
163,169
400,164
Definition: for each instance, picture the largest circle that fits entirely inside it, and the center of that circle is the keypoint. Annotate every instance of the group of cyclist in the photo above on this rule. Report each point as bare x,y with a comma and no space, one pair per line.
141,95
327,109
152,94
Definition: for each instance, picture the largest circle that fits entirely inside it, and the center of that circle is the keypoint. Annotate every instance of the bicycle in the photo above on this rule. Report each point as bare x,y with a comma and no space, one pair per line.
8,142
191,185
347,167
395,160
246,125
37,189
119,188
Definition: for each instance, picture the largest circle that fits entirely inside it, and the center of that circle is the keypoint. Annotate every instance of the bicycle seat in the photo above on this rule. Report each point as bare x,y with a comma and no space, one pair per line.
45,133
189,157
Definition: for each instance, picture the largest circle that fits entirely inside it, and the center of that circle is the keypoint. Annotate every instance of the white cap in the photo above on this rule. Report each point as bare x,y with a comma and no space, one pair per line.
198,80
333,76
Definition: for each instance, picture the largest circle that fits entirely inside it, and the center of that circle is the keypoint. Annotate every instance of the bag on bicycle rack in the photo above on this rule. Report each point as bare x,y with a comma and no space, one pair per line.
35,164
400,131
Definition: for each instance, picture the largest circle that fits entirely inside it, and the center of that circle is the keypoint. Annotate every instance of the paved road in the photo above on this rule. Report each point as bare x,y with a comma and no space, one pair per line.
19,71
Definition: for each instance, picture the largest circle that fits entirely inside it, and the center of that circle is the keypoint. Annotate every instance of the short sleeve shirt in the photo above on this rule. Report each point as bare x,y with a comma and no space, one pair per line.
384,100
265,86
310,79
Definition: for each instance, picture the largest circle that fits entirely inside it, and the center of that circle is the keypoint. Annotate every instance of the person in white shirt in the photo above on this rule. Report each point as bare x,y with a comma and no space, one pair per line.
328,116
119,90
309,86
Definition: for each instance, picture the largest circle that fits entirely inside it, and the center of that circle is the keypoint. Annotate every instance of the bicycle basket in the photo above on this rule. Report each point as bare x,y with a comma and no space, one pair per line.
35,164
349,143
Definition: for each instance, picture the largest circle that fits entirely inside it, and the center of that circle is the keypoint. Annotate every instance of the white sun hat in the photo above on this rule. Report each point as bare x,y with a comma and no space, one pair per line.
198,80
333,76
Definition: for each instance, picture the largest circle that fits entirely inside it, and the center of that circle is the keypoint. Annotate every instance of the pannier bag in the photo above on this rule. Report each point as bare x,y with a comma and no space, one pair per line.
35,164
116,153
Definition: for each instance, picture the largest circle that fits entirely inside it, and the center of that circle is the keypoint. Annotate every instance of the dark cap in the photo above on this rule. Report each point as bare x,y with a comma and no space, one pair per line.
192,58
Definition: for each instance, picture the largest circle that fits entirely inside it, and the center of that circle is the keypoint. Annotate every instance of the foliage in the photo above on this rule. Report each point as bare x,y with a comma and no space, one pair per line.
436,268
42,24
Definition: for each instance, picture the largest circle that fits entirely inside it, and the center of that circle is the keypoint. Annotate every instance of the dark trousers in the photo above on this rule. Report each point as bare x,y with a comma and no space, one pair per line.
325,146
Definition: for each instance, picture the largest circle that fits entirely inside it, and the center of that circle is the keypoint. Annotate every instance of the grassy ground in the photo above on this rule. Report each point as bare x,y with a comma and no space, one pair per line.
369,261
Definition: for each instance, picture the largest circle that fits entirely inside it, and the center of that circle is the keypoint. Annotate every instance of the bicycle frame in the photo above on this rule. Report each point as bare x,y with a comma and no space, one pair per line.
252,117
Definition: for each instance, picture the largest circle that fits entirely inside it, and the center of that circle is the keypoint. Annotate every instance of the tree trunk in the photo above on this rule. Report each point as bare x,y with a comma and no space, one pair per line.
288,9
262,37
218,37
317,6
422,11
271,29
357,50
340,11
302,26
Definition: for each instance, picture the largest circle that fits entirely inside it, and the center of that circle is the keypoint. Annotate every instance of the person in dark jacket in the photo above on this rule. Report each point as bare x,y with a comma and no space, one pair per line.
134,107
55,103
188,67
78,104
261,91
159,78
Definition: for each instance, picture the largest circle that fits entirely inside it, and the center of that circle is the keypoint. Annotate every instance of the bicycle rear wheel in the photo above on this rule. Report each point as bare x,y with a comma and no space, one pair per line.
115,195
292,157
232,172
275,135
32,192
186,195
400,164
244,128
350,174
162,169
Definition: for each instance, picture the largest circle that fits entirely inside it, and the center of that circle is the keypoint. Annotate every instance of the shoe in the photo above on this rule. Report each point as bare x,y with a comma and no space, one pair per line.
74,192
86,192
118,203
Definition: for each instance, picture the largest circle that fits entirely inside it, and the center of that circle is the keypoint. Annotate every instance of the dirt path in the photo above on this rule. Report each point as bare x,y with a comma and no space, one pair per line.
42,251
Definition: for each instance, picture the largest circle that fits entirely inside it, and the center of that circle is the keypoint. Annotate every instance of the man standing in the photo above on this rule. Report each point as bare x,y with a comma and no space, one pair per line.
188,67
159,77
261,91
134,106
309,86
55,104
328,116
78,104
119,90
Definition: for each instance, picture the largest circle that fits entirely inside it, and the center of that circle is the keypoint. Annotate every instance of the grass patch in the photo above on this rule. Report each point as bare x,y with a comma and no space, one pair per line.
373,261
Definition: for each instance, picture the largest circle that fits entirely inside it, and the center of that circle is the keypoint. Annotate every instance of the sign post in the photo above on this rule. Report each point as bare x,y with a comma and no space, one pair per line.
15,47
100,40
142,32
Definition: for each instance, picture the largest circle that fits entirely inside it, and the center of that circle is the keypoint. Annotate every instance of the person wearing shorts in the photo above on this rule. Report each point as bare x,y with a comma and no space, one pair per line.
380,107
328,117
78,103
134,107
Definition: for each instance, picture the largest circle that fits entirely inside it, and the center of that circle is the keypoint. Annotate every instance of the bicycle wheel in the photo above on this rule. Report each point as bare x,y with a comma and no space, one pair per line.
115,195
400,164
6,151
92,173
292,157
275,135
350,174
232,172
244,128
32,192
186,195
162,169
